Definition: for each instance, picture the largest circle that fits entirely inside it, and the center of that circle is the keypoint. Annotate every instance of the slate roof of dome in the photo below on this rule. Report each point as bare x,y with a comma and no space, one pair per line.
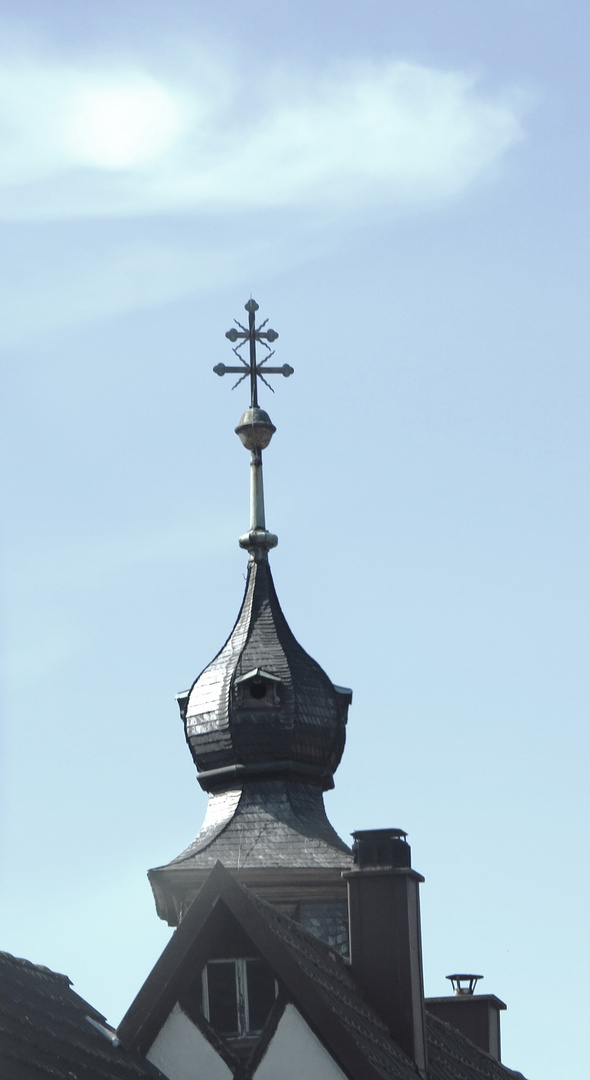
272,824
295,725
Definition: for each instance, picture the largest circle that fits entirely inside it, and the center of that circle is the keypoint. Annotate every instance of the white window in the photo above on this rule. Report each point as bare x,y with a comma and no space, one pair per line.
238,995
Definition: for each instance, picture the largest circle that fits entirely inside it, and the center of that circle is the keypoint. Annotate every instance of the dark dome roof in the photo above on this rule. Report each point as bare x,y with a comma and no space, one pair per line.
263,706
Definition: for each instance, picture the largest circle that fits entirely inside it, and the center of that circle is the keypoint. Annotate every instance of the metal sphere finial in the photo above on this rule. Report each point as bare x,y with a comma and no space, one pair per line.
255,429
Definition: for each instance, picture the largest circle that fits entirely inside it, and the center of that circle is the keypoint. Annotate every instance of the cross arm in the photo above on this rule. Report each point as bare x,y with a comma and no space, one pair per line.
224,369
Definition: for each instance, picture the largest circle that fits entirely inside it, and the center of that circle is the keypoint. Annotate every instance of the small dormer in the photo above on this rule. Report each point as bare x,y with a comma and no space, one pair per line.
257,689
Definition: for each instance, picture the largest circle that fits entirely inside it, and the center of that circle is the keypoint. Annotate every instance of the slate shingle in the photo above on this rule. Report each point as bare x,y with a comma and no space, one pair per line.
48,1032
306,724
269,823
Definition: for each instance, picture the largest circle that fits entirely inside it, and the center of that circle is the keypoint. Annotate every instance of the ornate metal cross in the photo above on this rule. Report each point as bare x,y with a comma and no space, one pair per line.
255,369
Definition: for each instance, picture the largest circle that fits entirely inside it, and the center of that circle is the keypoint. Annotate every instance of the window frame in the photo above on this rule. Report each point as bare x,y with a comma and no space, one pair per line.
240,964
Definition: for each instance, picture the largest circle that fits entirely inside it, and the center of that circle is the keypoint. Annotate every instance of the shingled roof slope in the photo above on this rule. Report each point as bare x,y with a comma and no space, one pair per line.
327,977
48,1031
268,823
452,1056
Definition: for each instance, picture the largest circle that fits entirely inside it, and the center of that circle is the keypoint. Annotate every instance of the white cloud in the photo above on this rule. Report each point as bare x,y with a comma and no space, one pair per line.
122,124
117,140
56,119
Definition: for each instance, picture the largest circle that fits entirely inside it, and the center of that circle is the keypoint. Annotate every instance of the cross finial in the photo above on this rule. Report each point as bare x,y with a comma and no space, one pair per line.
254,368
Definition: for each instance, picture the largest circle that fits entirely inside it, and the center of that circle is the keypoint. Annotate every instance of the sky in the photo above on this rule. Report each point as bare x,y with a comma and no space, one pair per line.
403,189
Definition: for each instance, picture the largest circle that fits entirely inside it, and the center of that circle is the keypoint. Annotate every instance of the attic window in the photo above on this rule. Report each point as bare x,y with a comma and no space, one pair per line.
258,689
238,996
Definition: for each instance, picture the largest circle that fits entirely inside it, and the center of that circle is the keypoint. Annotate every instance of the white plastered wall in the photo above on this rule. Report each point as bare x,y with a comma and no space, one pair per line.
182,1052
295,1053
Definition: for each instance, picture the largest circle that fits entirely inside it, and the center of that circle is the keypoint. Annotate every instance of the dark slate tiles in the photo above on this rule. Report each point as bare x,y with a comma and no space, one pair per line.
47,1032
307,723
269,823
452,1056
330,976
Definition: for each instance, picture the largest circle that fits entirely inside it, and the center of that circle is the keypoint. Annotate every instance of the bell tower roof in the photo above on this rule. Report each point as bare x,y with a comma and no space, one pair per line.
263,706
264,723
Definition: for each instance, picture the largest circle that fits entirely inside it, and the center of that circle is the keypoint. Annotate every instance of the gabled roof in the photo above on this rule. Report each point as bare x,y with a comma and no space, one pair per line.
312,975
317,980
47,1031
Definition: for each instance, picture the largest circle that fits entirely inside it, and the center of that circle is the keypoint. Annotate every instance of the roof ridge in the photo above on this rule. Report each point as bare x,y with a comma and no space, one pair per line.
22,962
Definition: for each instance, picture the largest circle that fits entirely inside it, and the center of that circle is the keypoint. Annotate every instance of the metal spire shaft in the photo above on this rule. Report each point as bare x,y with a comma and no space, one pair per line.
257,519
255,428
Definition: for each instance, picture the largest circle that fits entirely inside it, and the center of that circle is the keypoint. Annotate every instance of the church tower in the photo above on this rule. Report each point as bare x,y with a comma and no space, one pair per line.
244,990
266,728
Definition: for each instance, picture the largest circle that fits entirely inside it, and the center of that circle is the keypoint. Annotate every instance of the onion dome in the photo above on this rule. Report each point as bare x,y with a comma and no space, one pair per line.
263,706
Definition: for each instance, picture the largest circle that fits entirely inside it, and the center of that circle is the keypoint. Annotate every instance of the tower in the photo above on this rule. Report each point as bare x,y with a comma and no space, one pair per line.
244,990
265,726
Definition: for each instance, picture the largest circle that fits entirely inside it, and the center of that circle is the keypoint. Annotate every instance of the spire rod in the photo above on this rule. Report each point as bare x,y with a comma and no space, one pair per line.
255,428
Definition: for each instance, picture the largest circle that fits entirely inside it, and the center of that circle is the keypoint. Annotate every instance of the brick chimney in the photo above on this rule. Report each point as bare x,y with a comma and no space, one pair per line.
385,938
475,1015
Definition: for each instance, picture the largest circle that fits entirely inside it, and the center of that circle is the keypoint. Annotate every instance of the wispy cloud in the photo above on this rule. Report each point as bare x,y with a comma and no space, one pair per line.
102,277
118,139
93,146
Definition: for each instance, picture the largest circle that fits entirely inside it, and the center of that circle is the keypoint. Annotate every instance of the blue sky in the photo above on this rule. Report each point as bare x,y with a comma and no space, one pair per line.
403,188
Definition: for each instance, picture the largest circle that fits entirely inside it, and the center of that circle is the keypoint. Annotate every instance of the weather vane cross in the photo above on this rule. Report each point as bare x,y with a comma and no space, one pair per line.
254,368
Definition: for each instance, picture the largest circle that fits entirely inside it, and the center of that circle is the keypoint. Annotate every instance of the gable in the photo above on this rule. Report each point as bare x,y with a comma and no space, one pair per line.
295,1053
321,1019
311,976
207,1001
177,974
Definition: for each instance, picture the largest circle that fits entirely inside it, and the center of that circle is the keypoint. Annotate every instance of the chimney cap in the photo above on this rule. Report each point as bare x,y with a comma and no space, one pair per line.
378,834
380,848
458,982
